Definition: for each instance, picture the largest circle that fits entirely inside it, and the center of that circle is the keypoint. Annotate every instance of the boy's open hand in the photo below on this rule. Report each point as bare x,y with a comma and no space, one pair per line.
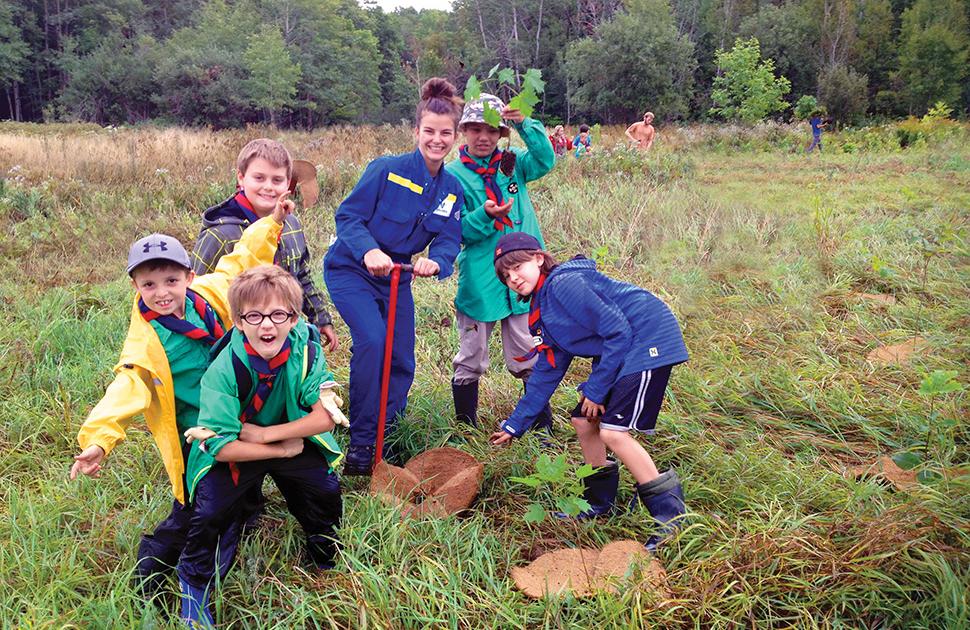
291,447
284,208
513,114
500,438
88,462
496,211
378,263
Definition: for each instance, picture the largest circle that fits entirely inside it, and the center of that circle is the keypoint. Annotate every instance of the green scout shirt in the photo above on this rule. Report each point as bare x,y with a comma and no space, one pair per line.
481,295
187,360
291,397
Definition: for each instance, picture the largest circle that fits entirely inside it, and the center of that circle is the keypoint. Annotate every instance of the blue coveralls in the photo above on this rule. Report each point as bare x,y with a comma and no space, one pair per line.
399,207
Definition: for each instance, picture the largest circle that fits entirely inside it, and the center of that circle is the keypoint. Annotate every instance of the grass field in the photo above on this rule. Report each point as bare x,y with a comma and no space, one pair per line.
765,254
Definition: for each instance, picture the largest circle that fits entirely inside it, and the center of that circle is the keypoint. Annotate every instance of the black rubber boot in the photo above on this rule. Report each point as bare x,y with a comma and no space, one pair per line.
599,491
358,461
664,499
466,402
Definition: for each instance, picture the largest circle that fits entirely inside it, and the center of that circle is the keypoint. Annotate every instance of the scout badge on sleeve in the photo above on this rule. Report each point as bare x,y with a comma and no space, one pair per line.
305,178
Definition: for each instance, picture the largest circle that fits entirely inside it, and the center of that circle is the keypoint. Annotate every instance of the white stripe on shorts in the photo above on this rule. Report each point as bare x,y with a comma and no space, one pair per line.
641,398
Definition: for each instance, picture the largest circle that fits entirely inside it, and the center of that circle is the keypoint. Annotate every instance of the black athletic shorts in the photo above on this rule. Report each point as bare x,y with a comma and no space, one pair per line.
633,404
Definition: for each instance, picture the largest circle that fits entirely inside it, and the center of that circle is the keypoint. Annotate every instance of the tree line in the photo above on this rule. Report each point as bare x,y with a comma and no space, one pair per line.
304,63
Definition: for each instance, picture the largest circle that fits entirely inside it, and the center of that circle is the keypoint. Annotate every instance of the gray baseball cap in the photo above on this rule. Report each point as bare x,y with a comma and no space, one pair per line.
474,111
157,247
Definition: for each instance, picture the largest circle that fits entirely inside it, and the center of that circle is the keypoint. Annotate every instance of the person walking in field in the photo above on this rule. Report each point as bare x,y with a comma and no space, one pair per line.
496,200
401,205
817,124
641,133
633,340
176,317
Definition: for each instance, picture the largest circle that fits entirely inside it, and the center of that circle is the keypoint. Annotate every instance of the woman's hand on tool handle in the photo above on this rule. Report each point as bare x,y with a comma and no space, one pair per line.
425,268
378,263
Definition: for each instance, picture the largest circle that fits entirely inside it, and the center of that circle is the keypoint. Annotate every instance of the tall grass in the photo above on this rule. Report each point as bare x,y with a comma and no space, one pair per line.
762,253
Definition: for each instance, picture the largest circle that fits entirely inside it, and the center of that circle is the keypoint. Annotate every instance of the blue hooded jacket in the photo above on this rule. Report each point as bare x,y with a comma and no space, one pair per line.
625,329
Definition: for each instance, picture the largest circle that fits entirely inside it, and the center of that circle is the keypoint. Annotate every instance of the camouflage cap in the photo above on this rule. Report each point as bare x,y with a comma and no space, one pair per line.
474,111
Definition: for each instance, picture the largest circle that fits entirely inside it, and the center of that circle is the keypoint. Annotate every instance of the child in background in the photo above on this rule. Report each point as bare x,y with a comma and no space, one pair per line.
633,340
176,317
263,170
560,142
583,141
260,406
496,200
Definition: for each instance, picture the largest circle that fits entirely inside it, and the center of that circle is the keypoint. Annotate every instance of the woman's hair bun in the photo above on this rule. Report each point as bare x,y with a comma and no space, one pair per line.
437,87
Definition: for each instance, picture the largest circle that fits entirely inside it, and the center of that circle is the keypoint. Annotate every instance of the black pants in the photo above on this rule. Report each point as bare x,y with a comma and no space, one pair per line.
159,552
312,495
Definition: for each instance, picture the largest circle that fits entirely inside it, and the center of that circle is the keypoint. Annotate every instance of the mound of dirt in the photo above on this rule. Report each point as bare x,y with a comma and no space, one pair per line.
584,572
897,354
884,467
435,483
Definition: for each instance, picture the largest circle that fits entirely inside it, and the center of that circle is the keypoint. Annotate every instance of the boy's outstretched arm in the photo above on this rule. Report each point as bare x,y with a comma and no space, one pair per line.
127,396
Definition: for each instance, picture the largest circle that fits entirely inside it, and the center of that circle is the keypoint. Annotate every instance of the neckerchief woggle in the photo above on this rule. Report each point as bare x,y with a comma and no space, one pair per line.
536,329
212,332
266,371
492,191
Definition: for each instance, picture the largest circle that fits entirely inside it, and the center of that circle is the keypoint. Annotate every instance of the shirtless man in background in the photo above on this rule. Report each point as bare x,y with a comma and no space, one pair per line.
642,132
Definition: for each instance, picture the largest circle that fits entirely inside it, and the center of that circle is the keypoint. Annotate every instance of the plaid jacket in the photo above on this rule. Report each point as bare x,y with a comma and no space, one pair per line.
223,225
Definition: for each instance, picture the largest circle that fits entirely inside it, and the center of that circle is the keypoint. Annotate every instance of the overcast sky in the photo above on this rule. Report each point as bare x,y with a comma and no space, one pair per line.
390,5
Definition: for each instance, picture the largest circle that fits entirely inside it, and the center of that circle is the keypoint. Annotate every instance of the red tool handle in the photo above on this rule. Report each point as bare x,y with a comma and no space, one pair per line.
388,345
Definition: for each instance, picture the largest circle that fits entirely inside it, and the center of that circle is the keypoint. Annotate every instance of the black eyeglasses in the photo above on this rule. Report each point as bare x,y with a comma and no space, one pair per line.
255,318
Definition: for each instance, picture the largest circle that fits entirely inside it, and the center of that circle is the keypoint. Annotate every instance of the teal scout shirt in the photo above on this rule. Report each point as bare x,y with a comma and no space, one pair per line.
291,397
187,360
481,295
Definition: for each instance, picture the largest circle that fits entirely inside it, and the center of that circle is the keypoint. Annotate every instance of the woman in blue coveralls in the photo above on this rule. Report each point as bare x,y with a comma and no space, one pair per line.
401,205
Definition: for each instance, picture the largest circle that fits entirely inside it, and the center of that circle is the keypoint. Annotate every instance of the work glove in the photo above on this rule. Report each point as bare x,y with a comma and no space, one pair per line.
332,402
198,433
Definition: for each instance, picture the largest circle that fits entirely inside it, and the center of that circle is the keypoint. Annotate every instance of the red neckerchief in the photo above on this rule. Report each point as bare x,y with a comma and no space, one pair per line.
534,327
209,335
492,191
267,372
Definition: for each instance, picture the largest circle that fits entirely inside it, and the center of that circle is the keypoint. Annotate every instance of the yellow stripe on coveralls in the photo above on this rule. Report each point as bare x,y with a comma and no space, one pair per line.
404,181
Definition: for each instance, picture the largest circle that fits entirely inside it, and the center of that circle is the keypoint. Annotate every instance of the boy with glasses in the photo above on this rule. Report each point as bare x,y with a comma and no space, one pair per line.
261,415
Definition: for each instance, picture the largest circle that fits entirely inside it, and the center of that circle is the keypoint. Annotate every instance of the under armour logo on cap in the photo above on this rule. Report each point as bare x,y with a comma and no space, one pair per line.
162,245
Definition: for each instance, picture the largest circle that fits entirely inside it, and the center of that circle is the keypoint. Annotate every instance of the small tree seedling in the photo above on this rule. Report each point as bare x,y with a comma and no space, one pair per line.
934,385
524,90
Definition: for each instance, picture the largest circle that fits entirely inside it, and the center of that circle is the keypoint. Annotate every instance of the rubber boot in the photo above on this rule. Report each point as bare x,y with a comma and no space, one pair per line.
599,490
358,461
466,402
664,499
195,606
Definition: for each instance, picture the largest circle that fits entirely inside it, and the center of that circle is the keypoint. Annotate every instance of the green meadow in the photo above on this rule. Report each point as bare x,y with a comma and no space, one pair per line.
785,270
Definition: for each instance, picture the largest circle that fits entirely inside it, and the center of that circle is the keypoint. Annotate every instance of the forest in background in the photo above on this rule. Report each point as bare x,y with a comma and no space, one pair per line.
306,63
